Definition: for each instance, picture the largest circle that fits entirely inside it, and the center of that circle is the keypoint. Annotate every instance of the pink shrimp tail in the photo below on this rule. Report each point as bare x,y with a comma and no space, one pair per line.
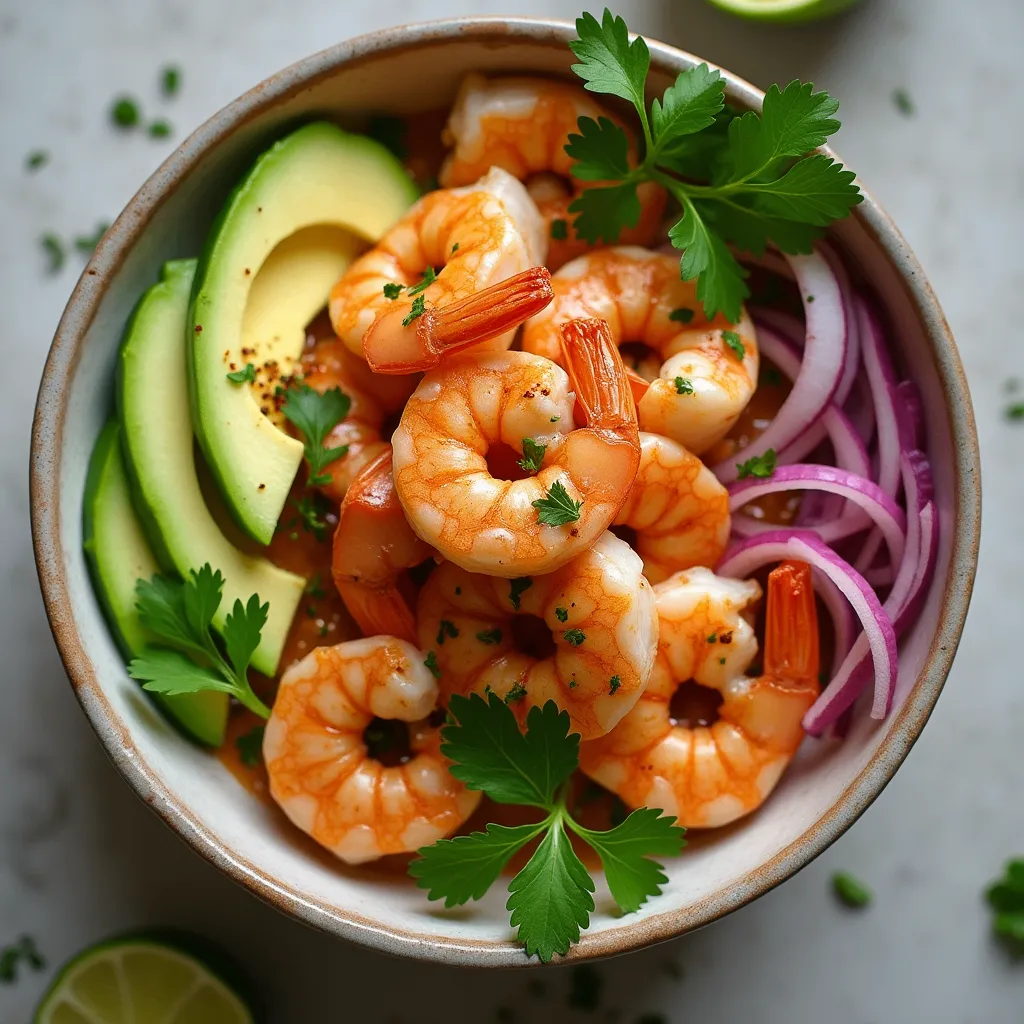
383,611
791,624
602,384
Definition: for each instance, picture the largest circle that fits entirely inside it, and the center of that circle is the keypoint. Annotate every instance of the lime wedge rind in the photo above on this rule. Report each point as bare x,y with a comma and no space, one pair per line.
783,10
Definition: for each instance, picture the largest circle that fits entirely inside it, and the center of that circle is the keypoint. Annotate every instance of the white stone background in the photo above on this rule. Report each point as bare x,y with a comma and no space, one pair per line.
81,858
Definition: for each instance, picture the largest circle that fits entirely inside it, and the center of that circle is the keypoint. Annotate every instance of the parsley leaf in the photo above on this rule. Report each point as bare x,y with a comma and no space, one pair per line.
250,746
609,62
682,315
316,414
684,386
601,150
164,671
557,508
247,375
242,629
559,229
533,455
489,753
604,213
813,191
689,105
22,951
393,289
760,466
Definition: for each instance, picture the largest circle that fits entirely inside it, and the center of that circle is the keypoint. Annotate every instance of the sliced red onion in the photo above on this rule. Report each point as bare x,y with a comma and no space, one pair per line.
860,408
843,619
858,490
851,364
882,381
880,576
879,635
909,415
822,366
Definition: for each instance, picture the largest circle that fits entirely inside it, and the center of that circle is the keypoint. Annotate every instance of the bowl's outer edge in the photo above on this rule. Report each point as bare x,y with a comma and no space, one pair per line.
47,431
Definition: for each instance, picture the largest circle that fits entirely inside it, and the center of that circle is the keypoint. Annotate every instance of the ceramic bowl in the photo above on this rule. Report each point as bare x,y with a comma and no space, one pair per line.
828,786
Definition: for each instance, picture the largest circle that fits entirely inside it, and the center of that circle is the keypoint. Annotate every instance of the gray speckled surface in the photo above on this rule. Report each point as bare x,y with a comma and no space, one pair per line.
79,855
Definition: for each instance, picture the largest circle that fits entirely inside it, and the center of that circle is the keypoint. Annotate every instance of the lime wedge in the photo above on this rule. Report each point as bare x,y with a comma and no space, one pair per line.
142,979
783,10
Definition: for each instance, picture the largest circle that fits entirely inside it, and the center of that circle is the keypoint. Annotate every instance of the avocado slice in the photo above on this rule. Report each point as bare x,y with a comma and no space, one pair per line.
285,235
119,556
152,397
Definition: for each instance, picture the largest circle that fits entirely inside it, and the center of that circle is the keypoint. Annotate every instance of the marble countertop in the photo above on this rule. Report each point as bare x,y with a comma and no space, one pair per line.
81,858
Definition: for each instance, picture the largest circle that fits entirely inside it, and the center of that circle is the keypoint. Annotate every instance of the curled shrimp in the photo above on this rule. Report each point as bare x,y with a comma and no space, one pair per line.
373,397
522,125
320,771
677,511
702,373
708,776
452,244
474,404
373,546
591,625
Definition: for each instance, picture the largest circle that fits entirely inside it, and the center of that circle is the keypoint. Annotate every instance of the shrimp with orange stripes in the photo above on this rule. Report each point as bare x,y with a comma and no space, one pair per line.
710,775
702,373
431,266
579,477
522,125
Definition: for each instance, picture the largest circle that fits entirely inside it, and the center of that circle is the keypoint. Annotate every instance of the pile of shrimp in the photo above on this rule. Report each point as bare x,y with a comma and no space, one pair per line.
496,342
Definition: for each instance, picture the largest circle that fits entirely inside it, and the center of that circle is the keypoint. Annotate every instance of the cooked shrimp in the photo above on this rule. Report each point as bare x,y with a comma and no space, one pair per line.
708,776
321,773
477,403
522,125
373,396
597,633
699,382
677,510
373,545
471,237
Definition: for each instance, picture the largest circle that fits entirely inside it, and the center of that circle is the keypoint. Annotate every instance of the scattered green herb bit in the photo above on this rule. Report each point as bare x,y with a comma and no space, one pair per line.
810,298
760,466
1015,411
1006,898
713,638
323,630
682,315
555,419
455,248
170,80
489,636
419,307
311,509
22,951
822,679
903,103
573,684
446,628
159,129
732,339
586,988
721,661
562,614
683,386
54,249
316,414
516,588
393,289
517,692
614,685
86,243
429,277
180,615
314,588
247,375
36,159
770,377
741,180
559,229
550,898
250,746
124,112
533,455
849,890
431,662
294,535
391,133
557,508
311,611
574,636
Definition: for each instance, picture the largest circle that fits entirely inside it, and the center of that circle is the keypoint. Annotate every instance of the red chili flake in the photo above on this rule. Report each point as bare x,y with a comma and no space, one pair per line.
199,330
725,638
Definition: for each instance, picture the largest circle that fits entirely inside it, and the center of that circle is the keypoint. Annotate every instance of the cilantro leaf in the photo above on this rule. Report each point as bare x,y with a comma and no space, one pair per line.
558,508
609,62
752,229
464,868
689,105
735,344
533,455
247,375
625,853
491,754
813,191
601,150
602,214
720,279
1006,898
516,588
250,746
429,277
392,289
201,598
759,466
417,309
161,605
551,897
559,229
316,414
171,672
242,629
850,890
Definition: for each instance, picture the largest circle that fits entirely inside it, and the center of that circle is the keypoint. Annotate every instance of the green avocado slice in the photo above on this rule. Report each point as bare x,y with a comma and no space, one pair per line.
119,556
286,233
152,396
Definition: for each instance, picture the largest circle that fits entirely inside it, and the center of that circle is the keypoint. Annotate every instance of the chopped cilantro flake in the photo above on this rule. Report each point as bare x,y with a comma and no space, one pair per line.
732,339
431,662
516,588
683,386
247,375
760,466
419,307
850,890
559,229
682,315
562,614
574,636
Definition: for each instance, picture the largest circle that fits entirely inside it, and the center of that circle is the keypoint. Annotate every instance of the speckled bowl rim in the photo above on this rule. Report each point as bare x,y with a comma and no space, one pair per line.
47,434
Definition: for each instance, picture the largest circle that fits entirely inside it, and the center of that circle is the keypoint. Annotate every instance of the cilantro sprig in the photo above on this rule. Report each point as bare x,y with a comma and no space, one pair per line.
558,507
179,613
316,414
550,899
744,180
